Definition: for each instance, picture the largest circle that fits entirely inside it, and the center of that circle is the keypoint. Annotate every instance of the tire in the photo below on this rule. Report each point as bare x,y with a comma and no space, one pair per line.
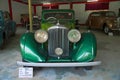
3,44
13,34
88,67
106,29
85,67
89,27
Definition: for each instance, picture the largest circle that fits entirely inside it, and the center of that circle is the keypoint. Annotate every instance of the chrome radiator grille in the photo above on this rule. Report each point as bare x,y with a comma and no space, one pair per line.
58,39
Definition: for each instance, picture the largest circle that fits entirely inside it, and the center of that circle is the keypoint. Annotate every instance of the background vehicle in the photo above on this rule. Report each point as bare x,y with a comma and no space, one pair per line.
58,43
105,20
36,23
7,27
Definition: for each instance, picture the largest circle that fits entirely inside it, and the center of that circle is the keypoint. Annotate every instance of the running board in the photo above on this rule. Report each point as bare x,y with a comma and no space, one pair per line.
71,64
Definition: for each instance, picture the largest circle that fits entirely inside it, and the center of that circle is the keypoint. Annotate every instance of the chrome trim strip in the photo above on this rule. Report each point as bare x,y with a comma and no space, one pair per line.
57,26
71,64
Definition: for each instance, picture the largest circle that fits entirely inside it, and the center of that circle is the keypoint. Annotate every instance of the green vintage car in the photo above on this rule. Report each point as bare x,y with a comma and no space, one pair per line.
58,43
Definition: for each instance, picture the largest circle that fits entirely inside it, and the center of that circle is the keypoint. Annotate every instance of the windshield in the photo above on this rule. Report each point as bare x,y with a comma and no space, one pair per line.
59,15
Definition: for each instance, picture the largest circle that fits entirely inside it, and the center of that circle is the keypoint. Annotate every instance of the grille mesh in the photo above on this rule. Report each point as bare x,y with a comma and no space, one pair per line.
58,39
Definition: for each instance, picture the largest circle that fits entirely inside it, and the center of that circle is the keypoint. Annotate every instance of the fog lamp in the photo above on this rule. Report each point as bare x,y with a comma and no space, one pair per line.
58,51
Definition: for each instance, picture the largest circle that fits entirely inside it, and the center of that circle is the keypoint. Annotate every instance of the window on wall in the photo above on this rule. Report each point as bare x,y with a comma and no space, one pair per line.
49,7
97,6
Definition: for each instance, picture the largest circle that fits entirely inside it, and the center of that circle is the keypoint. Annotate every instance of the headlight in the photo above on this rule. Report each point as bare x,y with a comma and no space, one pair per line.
74,35
41,36
110,25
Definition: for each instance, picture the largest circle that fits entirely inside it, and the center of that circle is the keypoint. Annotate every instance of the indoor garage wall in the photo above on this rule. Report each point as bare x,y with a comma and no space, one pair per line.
80,13
39,10
114,6
64,6
18,9
4,5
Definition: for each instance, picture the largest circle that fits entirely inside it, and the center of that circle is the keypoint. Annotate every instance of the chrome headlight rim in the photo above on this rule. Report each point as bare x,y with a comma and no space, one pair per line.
74,35
41,36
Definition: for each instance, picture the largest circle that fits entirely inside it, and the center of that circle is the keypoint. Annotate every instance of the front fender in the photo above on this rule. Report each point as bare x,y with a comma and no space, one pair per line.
29,49
85,49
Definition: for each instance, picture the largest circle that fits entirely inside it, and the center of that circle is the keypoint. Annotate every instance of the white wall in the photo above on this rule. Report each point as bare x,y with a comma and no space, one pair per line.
39,10
4,5
64,6
80,13
18,9
114,6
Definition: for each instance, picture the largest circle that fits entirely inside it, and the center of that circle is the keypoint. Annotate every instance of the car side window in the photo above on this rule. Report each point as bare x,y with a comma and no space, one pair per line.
110,14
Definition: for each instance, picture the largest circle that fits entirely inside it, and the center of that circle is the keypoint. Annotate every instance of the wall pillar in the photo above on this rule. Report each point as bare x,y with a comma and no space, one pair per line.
35,11
71,5
10,9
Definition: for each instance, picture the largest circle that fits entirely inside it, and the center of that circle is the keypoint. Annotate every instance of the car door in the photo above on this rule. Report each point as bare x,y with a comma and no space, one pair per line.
95,20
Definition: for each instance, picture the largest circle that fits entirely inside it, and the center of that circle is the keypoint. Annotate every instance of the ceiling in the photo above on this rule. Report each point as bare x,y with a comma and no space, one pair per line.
50,1
35,2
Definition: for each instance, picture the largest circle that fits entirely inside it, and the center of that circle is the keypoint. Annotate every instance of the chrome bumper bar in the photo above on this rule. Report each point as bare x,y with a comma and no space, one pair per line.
71,64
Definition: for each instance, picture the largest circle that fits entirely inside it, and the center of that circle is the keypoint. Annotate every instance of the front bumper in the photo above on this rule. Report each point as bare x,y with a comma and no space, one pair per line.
71,64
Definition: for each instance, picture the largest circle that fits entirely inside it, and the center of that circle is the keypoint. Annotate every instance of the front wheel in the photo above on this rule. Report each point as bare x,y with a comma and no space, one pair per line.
89,27
3,44
106,29
88,67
